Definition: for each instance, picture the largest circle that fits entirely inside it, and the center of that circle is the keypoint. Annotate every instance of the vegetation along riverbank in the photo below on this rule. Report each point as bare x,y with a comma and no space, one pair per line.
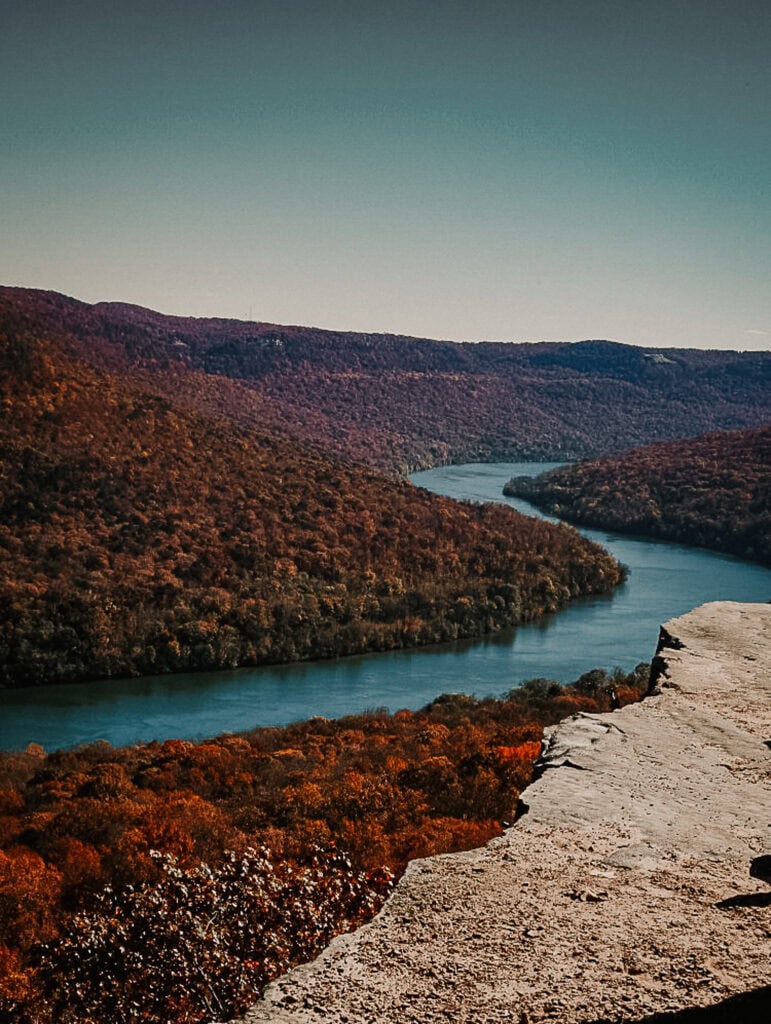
170,882
713,491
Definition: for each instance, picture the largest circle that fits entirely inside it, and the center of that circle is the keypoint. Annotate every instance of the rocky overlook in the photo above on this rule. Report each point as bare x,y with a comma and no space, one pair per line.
635,886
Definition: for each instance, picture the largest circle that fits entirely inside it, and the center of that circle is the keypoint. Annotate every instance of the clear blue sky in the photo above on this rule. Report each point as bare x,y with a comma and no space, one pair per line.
536,169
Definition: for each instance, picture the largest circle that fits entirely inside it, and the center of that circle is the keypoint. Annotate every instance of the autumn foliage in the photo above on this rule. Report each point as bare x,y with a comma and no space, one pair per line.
140,537
713,491
181,495
171,881
398,402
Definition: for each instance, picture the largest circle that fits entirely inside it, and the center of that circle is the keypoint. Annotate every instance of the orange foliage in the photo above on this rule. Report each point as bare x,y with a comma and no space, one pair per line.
83,829
138,535
713,491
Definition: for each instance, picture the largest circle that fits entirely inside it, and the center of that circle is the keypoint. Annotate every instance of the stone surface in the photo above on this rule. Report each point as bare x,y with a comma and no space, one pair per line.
624,891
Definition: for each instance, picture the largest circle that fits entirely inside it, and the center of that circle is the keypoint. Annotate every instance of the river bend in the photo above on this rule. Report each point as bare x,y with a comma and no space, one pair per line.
665,580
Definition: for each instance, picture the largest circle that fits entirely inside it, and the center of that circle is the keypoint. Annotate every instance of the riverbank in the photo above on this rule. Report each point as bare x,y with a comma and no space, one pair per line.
708,491
607,630
625,890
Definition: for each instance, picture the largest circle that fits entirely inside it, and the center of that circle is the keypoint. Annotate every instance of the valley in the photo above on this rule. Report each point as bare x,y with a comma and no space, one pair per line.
181,497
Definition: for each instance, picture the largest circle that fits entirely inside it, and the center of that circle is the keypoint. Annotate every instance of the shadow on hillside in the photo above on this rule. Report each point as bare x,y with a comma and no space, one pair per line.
746,1008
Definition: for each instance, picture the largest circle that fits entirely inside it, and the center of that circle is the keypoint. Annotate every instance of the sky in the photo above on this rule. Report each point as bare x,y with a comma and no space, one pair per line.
521,170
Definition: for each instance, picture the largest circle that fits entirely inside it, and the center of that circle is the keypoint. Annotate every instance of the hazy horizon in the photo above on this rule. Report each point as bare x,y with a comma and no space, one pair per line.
507,171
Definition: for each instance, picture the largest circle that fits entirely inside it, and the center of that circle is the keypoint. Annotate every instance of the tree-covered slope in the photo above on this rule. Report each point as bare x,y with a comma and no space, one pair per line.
138,536
713,491
399,402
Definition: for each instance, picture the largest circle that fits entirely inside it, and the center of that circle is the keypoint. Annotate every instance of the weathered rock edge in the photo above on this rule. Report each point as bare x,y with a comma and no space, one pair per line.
624,890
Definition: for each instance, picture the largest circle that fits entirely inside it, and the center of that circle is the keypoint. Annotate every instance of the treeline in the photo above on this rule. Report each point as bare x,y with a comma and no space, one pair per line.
170,882
138,537
399,402
712,491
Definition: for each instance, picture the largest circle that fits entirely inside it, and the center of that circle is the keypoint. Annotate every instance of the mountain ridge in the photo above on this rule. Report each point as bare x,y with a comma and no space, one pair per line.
401,403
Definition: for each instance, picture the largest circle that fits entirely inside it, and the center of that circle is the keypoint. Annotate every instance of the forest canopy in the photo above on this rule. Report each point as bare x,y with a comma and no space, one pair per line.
713,491
401,403
138,536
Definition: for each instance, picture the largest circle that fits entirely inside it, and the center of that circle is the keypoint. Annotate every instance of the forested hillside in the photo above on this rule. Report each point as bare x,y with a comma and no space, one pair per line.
399,402
138,536
714,491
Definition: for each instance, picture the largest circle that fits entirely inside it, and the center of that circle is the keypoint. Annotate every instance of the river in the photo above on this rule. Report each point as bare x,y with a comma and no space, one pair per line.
616,629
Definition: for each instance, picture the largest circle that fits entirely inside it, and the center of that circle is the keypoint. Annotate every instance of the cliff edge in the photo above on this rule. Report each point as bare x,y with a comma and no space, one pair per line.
637,884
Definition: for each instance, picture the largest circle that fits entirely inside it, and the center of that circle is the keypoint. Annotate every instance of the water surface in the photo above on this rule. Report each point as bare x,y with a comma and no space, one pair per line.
616,629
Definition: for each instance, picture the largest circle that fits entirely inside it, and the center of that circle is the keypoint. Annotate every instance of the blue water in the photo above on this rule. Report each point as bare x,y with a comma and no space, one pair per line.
618,629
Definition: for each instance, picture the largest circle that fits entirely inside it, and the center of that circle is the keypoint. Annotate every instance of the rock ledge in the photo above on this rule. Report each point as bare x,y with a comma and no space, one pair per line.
624,891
